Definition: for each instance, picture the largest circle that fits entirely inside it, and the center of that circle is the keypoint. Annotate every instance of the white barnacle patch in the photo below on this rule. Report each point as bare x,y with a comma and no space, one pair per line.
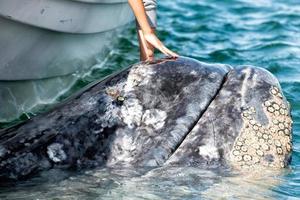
132,112
111,115
56,153
138,76
209,151
155,118
194,72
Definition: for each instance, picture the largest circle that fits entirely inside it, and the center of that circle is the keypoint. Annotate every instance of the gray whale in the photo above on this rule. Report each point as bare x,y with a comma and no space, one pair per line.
168,112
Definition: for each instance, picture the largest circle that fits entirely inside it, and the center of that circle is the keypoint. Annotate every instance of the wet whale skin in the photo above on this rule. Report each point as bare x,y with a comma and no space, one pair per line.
169,112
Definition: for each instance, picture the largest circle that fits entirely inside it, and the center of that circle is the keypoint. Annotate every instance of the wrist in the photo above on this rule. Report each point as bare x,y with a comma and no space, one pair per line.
147,31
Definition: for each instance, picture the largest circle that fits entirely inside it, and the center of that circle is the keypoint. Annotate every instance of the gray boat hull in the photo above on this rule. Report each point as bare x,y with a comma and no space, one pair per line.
38,45
44,42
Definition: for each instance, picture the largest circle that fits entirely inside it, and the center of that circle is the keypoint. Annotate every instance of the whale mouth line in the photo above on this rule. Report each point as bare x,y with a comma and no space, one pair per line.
200,116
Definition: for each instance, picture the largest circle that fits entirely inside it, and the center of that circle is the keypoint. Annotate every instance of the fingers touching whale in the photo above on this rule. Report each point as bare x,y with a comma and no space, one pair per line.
171,112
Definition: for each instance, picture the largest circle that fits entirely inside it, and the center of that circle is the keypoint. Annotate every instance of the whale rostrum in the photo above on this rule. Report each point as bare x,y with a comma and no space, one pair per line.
169,112
248,125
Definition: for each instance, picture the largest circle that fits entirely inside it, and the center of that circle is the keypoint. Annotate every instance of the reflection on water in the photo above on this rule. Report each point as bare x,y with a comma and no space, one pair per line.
161,183
264,33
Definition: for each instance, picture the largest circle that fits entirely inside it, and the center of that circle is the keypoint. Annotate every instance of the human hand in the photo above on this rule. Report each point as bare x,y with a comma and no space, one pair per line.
152,39
147,36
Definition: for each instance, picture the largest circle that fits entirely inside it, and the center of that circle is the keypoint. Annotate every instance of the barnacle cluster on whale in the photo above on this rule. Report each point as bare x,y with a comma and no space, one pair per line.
265,145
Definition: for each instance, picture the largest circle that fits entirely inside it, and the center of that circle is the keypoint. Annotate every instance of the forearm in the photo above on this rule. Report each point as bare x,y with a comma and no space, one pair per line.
140,14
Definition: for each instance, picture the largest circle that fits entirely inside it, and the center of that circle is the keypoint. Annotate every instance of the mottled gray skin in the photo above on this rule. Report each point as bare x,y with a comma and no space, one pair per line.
171,112
137,117
173,95
211,141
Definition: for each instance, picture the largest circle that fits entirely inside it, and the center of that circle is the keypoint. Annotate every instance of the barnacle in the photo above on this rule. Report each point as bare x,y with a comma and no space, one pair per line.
259,142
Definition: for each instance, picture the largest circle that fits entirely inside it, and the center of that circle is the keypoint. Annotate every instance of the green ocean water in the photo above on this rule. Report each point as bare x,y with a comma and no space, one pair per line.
264,33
